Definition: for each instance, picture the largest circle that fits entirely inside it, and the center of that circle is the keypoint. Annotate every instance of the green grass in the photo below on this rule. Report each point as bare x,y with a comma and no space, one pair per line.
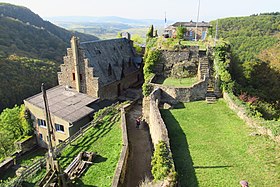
212,147
186,82
25,161
106,140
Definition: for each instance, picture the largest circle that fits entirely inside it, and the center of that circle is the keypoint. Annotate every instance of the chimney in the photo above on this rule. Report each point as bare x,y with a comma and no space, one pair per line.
74,47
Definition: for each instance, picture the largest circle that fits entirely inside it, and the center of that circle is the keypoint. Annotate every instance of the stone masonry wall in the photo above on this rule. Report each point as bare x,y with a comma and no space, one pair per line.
110,91
240,111
89,83
157,126
187,57
174,95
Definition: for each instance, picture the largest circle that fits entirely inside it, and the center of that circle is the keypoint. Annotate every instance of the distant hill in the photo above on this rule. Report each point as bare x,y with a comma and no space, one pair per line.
31,50
108,19
26,34
108,26
255,67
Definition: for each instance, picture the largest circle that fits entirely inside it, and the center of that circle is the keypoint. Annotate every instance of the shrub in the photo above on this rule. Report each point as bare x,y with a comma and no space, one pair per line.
162,163
151,57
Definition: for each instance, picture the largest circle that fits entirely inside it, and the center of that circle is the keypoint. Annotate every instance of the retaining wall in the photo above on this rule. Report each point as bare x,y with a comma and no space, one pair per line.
174,95
240,111
121,168
157,126
26,145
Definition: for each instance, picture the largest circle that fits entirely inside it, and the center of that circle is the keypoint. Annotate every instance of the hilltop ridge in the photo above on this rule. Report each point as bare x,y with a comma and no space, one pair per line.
26,34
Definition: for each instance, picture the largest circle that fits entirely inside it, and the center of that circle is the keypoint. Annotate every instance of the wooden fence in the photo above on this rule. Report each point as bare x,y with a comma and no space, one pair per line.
38,165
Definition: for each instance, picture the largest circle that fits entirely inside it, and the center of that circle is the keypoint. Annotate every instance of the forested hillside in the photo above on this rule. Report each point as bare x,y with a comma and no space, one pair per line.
31,51
25,33
255,66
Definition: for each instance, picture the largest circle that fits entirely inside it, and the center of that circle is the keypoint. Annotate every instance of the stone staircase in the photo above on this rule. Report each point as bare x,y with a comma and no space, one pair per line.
210,96
204,68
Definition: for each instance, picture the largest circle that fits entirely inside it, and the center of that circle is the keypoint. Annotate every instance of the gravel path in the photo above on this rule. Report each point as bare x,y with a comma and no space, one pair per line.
140,150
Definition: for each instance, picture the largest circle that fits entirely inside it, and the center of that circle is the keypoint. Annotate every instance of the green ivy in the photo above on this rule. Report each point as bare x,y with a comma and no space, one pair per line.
162,163
222,64
151,58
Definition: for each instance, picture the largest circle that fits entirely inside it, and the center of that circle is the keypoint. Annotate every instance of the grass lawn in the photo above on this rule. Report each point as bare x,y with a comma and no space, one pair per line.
25,161
212,147
106,140
180,82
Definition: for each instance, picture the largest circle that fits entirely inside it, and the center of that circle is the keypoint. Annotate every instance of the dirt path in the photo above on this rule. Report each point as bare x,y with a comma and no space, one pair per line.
140,150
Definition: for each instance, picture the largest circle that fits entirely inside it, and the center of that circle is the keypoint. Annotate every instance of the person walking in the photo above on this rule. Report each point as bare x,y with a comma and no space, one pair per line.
138,121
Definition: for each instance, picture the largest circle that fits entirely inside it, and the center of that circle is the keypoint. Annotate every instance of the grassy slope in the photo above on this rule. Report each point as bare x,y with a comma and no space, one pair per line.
212,147
106,140
180,82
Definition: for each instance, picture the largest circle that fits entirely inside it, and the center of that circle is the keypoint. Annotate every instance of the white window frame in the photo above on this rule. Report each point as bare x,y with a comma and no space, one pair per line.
58,128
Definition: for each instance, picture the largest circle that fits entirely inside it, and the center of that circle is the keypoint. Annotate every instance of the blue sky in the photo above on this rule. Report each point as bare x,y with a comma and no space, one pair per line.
183,10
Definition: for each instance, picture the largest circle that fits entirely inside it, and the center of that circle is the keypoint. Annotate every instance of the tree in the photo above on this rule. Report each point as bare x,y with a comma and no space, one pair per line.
156,34
150,33
119,35
180,32
14,124
137,41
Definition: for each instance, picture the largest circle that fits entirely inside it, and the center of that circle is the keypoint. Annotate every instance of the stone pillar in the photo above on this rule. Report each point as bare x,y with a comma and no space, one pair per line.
74,47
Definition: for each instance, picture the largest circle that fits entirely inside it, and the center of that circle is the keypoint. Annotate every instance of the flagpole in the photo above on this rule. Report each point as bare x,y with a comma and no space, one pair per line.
196,29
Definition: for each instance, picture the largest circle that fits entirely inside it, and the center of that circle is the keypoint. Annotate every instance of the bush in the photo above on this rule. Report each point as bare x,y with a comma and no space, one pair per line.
152,56
162,163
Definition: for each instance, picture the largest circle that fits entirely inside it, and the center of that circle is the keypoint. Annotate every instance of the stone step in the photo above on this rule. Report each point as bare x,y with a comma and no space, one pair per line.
211,100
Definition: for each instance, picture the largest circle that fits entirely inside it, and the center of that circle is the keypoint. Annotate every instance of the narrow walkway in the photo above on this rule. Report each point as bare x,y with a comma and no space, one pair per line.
140,150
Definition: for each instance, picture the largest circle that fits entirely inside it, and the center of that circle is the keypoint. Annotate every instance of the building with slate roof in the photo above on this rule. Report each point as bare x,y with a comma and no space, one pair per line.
191,28
103,69
92,72
69,109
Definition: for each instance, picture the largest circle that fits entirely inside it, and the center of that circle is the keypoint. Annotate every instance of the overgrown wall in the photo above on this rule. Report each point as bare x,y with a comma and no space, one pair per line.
240,111
169,59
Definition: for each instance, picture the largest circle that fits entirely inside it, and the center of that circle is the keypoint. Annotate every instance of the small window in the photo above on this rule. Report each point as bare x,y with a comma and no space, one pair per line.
59,141
40,136
59,127
41,122
81,77
73,76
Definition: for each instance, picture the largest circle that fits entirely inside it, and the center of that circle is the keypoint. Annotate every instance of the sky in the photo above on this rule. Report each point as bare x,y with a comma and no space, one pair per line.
178,10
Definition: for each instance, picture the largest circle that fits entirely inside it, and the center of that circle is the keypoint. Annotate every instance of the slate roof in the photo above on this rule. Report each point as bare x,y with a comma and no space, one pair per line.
191,24
117,53
65,103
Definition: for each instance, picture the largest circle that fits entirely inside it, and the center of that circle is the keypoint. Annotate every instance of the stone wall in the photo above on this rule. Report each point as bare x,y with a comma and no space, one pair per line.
157,127
240,111
121,168
111,91
6,164
26,145
187,58
174,95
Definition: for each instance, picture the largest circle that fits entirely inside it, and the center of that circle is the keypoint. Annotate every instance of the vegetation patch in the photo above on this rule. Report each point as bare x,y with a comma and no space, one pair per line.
214,148
152,56
15,125
186,82
254,64
162,163
105,139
